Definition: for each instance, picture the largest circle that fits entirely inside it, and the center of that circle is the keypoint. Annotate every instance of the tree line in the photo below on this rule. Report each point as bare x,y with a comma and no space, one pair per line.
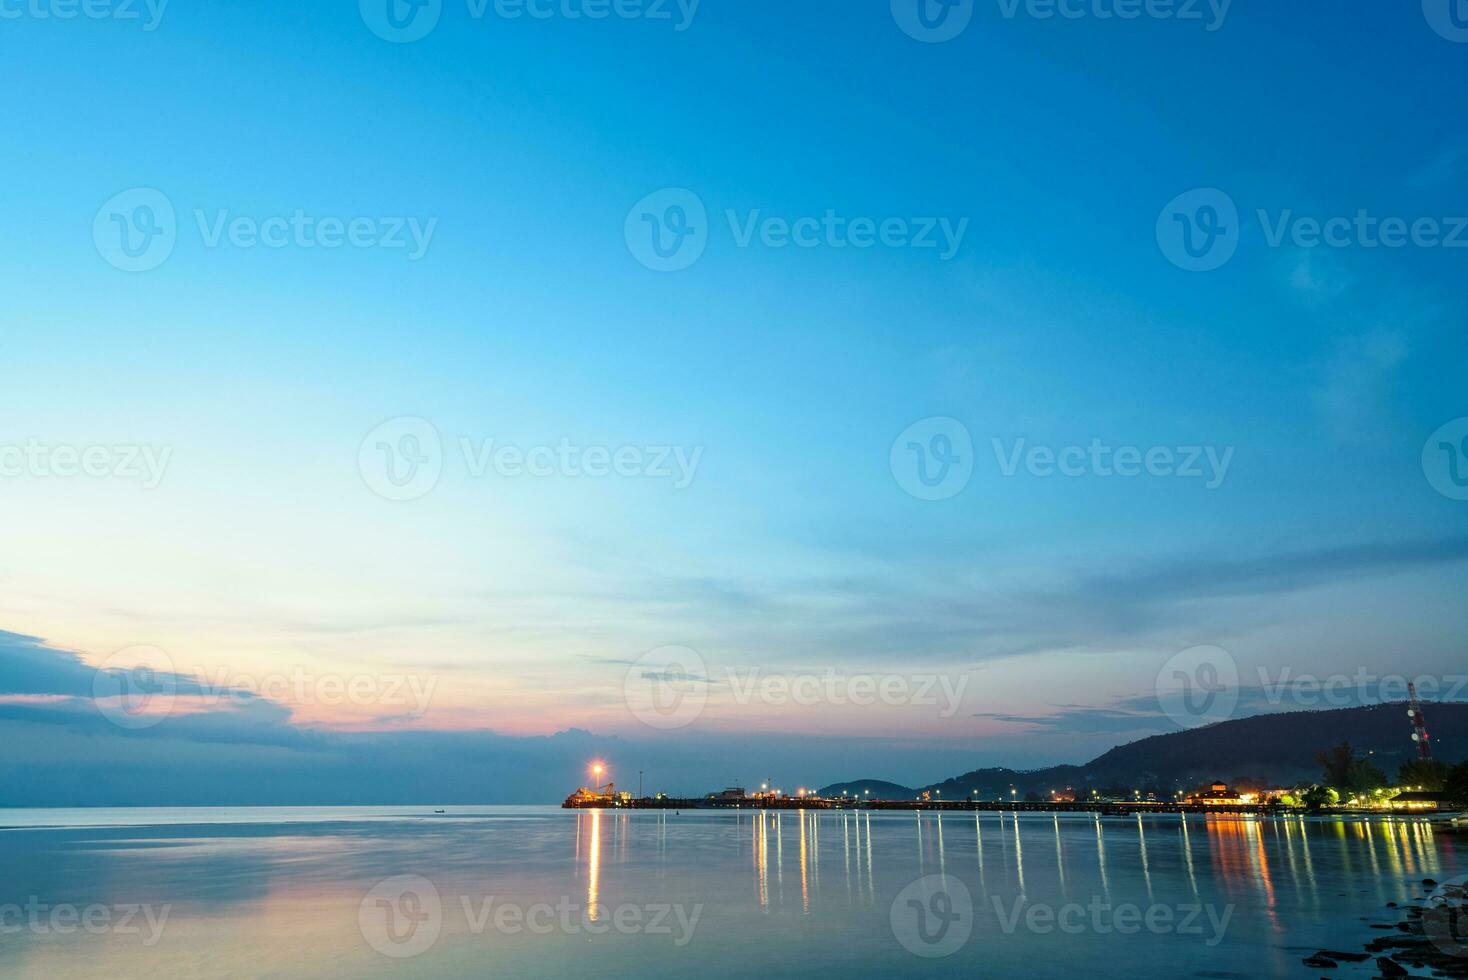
1346,776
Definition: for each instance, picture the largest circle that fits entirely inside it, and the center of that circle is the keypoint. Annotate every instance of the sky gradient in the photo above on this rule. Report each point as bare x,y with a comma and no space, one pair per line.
768,511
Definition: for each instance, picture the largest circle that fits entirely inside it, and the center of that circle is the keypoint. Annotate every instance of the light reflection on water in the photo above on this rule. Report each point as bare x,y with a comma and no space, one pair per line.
279,892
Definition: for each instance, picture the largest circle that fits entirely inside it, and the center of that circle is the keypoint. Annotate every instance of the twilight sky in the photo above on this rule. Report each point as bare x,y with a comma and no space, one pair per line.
878,444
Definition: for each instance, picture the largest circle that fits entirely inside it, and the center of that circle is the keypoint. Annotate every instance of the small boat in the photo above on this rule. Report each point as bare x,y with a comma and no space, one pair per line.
437,811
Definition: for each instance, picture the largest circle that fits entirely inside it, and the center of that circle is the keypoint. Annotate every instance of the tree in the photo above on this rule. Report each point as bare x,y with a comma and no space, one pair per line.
1455,787
1335,764
1429,774
1350,775
1317,798
1365,778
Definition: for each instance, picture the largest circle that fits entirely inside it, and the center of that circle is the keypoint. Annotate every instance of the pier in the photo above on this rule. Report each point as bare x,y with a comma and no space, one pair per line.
1104,807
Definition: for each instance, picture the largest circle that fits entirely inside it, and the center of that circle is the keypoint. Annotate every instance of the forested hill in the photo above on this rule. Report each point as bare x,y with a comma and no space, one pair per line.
1273,748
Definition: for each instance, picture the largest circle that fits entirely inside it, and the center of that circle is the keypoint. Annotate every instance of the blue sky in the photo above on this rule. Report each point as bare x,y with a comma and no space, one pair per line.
526,145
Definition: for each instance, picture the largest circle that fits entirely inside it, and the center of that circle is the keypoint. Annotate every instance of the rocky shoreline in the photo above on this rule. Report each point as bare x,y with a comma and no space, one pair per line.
1430,937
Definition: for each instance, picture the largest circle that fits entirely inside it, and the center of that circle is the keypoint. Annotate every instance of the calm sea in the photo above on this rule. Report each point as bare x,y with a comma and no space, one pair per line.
402,891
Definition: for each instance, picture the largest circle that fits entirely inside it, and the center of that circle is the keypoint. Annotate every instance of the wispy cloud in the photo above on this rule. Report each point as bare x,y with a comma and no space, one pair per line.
1448,165
964,614
1356,381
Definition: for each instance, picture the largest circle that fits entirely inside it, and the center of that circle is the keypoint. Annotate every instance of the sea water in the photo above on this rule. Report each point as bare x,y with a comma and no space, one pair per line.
540,891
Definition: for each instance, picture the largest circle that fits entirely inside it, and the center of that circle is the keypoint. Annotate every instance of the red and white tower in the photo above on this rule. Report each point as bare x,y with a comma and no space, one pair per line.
1419,723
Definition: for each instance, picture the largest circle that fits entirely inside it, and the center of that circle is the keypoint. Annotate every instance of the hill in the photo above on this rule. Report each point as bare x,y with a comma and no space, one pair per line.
1271,748
877,789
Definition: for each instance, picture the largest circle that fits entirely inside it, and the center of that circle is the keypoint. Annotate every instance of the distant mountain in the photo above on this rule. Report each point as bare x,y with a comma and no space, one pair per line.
1272,748
877,789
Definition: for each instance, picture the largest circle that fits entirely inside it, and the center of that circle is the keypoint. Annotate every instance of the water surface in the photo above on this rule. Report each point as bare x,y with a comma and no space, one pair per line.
539,891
